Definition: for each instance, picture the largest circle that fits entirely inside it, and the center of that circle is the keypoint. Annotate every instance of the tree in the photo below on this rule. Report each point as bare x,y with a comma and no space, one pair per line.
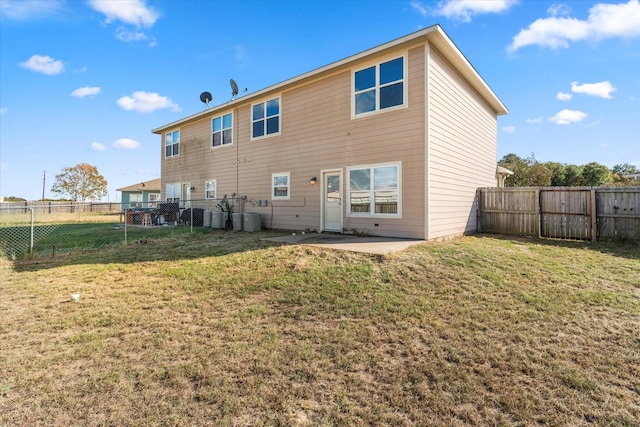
518,166
558,173
619,172
625,169
538,175
81,182
595,174
573,175
526,172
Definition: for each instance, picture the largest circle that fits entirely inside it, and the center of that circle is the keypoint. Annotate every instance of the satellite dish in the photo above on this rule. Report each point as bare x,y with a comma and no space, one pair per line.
234,88
206,98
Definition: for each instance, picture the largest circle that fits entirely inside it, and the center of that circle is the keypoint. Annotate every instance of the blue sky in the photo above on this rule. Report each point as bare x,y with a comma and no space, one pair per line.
86,81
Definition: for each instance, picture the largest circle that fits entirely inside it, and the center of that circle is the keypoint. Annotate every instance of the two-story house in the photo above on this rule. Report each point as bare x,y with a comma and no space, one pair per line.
392,141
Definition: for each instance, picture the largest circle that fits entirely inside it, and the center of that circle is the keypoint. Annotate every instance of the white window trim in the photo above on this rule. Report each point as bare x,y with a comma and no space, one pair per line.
221,131
264,101
164,140
405,103
373,214
215,184
273,176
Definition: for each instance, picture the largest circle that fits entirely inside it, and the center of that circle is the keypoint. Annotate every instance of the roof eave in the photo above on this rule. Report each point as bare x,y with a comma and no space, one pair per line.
448,48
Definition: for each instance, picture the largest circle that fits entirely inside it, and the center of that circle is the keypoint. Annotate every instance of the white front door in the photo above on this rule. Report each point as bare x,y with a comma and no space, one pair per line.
332,201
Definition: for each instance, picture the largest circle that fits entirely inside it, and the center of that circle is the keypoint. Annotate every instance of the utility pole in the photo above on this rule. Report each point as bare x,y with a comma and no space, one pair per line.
44,178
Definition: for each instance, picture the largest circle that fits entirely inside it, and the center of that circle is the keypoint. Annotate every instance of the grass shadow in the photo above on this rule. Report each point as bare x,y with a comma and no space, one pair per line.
208,243
623,248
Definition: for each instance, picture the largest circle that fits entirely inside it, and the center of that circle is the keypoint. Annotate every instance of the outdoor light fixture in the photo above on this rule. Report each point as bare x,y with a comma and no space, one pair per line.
192,188
313,181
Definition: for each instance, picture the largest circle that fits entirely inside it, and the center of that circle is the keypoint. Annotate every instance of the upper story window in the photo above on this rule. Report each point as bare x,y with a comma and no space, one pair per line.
172,144
222,130
375,190
265,118
280,186
210,189
380,86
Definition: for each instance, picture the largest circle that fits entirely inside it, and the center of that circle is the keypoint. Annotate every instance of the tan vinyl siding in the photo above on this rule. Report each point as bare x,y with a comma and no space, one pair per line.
317,133
462,149
198,163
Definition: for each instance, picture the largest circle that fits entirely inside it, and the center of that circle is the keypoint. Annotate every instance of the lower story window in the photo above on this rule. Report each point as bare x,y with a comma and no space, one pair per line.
173,192
374,190
135,200
210,189
280,186
153,199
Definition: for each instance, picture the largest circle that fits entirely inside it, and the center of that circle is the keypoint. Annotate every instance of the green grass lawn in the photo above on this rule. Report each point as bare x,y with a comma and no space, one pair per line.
227,329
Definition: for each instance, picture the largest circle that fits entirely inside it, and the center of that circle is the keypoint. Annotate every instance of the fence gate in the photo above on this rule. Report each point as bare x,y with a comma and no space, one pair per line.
618,213
567,213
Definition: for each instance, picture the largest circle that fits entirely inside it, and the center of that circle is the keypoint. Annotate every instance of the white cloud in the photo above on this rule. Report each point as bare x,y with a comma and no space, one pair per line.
559,10
4,110
240,52
86,91
601,90
29,9
126,36
605,21
96,146
463,9
566,117
134,12
419,7
536,120
509,129
126,144
145,102
564,96
43,64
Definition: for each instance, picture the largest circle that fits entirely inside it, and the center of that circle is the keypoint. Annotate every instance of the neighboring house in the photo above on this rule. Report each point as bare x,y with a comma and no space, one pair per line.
142,195
393,141
632,176
502,174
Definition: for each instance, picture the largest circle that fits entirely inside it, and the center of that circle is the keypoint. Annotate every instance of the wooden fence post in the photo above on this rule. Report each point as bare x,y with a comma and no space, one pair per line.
539,209
593,214
478,211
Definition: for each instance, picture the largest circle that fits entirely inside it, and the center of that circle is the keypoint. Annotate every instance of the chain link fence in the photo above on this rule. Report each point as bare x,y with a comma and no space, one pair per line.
53,228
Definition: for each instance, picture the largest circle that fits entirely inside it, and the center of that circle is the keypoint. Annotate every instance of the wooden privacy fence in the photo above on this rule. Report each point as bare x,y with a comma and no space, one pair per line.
584,213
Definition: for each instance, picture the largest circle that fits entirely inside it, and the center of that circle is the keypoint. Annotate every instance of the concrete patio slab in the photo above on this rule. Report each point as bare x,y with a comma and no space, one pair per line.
371,245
